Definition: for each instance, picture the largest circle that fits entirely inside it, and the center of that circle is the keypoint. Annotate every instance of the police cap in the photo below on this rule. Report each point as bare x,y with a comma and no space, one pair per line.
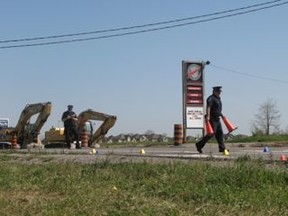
217,88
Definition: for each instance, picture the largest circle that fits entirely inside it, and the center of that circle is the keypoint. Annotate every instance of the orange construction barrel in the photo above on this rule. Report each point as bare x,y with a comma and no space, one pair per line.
178,134
84,138
14,144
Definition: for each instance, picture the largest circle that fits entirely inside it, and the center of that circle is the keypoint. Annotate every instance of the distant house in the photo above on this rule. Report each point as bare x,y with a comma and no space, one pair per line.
120,138
110,139
190,139
153,137
128,138
163,138
157,138
124,138
140,138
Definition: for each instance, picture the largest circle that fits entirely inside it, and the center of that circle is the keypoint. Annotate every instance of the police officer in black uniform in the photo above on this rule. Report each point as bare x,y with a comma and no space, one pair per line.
70,119
213,114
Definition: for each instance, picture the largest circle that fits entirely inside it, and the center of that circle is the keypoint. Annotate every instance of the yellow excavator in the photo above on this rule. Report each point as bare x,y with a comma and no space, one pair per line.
56,136
26,132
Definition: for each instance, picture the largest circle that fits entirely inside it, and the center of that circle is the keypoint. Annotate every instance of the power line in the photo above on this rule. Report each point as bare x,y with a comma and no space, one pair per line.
249,75
138,26
142,26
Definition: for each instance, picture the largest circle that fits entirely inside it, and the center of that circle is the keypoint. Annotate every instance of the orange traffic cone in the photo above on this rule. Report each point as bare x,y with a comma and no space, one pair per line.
230,127
282,158
209,129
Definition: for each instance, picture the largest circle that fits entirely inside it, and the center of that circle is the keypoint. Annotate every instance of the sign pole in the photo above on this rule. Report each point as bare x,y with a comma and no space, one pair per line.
193,95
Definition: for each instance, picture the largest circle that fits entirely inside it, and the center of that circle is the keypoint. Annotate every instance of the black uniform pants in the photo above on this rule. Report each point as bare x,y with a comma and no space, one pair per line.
69,132
218,132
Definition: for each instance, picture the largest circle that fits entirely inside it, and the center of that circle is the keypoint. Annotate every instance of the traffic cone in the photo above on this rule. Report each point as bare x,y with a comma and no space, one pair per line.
282,158
230,127
266,149
209,129
226,152
142,151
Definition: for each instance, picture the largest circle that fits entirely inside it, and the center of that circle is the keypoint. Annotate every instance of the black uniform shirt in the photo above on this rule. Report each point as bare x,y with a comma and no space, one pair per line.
215,105
69,122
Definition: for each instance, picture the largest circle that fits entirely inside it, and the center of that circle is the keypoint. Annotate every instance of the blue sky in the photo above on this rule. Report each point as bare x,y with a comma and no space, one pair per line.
138,77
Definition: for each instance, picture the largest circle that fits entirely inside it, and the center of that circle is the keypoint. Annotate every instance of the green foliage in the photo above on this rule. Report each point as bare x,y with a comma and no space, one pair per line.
105,188
263,138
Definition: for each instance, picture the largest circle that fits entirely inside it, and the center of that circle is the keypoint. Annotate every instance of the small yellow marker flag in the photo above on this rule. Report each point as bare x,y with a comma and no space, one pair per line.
142,151
226,152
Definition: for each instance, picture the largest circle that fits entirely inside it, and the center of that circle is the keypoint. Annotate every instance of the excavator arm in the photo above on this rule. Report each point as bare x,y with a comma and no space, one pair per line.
26,132
108,122
103,129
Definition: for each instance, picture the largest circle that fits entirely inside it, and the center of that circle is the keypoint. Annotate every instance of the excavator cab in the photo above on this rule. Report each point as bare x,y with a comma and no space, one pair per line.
88,127
29,135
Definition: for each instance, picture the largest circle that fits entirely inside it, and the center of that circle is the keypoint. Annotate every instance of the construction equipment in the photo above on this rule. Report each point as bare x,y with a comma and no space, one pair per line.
56,136
25,132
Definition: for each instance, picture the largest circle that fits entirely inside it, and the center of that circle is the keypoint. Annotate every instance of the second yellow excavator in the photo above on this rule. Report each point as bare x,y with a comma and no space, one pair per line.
56,136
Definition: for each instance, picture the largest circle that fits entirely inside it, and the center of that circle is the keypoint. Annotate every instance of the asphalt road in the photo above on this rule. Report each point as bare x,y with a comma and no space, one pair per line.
265,151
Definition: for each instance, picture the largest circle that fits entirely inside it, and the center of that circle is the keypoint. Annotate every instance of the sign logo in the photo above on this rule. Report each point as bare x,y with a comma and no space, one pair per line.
194,72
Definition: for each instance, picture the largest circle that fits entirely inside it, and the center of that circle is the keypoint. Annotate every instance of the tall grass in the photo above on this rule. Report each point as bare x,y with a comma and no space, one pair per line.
106,188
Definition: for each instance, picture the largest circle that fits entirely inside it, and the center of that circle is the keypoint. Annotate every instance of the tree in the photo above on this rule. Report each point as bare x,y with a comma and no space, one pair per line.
268,117
149,132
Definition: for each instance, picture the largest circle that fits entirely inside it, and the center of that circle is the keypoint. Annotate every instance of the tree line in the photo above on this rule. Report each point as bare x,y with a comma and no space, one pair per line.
267,119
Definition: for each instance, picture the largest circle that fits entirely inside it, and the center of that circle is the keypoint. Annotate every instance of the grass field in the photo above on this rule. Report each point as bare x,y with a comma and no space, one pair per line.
244,187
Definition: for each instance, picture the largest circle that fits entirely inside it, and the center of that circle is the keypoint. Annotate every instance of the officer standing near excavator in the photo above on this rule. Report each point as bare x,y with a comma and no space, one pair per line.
213,114
70,119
